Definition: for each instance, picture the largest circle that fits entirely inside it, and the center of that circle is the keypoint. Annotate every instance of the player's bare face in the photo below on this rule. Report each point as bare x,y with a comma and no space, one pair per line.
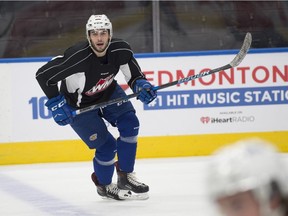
241,204
99,40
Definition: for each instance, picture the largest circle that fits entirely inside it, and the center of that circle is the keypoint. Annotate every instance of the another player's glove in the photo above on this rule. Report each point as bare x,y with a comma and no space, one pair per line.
146,91
61,111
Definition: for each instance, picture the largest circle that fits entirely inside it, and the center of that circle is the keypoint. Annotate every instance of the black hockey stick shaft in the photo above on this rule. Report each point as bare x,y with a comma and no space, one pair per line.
235,62
193,77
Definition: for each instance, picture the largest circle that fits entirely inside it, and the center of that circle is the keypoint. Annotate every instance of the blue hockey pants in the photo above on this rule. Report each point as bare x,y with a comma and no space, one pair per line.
92,129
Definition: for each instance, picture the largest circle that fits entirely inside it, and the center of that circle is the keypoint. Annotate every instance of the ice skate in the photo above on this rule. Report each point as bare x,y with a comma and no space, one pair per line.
128,181
110,191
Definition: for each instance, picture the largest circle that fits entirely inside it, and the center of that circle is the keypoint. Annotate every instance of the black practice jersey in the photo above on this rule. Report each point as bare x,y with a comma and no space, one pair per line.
85,78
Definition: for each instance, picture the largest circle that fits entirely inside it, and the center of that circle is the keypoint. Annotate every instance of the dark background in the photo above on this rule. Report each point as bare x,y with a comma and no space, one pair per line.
47,28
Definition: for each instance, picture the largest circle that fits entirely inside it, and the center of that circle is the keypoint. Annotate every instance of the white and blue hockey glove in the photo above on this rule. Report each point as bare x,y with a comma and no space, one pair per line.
146,91
61,111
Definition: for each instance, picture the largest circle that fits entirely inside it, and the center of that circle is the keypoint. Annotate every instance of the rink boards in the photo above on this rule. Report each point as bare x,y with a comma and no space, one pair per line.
193,118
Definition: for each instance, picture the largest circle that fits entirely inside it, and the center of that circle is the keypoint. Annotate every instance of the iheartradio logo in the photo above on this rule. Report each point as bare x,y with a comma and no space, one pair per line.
205,120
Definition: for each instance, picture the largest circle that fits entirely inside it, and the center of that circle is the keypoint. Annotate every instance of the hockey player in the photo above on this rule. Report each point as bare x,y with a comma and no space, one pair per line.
86,72
248,179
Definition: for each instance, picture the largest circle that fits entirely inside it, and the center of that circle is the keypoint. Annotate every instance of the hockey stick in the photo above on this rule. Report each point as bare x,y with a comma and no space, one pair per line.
235,62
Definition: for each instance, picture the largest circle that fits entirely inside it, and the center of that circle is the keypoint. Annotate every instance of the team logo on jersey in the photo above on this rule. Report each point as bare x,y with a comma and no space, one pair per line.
101,85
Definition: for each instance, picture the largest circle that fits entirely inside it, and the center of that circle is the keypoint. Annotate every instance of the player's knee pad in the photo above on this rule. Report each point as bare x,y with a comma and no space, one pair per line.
105,153
128,125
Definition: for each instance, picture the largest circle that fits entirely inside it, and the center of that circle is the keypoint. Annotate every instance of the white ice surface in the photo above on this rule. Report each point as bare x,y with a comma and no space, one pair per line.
62,189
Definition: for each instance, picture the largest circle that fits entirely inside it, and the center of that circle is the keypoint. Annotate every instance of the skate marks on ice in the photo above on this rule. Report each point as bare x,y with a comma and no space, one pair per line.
62,189
41,201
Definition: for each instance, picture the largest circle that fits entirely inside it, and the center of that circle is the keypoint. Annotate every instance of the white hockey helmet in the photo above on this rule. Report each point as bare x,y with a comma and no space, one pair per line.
98,22
248,165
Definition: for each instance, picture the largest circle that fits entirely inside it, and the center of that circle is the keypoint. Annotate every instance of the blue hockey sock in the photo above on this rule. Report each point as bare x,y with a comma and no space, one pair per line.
103,161
104,173
126,152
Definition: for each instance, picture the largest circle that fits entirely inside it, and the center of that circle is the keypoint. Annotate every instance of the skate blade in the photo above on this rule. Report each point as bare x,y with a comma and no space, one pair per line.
128,196
135,196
